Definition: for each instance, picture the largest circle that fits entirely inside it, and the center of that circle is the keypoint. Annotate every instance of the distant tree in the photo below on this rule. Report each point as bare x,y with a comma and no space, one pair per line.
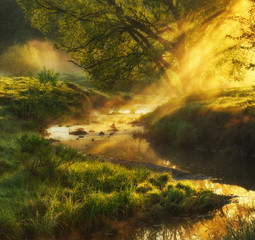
129,40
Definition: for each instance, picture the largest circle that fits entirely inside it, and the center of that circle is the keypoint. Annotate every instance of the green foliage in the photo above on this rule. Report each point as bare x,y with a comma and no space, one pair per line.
48,76
160,181
29,100
6,167
67,155
85,194
182,199
19,60
8,224
127,43
144,188
34,153
37,155
220,122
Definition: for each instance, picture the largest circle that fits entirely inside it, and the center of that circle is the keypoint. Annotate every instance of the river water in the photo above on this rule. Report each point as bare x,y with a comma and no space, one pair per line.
110,137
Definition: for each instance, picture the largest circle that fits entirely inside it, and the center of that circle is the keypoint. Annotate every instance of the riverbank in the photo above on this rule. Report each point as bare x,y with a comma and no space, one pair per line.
50,191
221,121
79,192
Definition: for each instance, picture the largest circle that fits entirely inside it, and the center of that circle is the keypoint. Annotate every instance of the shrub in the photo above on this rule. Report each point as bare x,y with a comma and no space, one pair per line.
34,153
48,76
19,60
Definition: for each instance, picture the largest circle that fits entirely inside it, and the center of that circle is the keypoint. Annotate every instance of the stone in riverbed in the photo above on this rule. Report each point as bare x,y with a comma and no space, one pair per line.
101,134
78,132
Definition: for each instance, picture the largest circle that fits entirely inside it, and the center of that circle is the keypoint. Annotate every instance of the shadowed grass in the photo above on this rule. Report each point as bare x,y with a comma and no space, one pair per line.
222,121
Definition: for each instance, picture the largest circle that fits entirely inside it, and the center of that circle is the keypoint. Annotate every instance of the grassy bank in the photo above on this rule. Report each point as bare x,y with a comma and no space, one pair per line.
51,191
219,121
28,99
27,105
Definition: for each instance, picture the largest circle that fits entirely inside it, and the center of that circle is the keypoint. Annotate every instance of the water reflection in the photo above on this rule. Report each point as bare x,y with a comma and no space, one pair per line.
151,229
204,227
225,168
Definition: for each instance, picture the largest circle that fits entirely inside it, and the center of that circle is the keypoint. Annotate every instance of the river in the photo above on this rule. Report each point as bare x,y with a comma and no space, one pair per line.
109,136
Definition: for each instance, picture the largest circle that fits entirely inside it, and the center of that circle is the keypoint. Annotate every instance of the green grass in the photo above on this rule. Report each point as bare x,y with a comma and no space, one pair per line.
85,194
43,103
50,190
219,121
78,78
26,106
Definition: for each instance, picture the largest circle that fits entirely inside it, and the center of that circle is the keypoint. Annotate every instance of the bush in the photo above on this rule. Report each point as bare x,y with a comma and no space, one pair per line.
19,60
34,153
48,76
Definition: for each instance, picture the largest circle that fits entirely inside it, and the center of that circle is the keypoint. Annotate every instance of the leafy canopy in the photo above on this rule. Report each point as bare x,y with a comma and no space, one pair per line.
120,42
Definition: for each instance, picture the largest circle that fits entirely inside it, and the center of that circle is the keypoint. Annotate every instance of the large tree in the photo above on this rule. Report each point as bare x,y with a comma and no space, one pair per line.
118,41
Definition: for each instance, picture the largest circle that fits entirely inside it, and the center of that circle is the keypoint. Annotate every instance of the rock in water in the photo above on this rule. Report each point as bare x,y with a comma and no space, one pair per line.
78,132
